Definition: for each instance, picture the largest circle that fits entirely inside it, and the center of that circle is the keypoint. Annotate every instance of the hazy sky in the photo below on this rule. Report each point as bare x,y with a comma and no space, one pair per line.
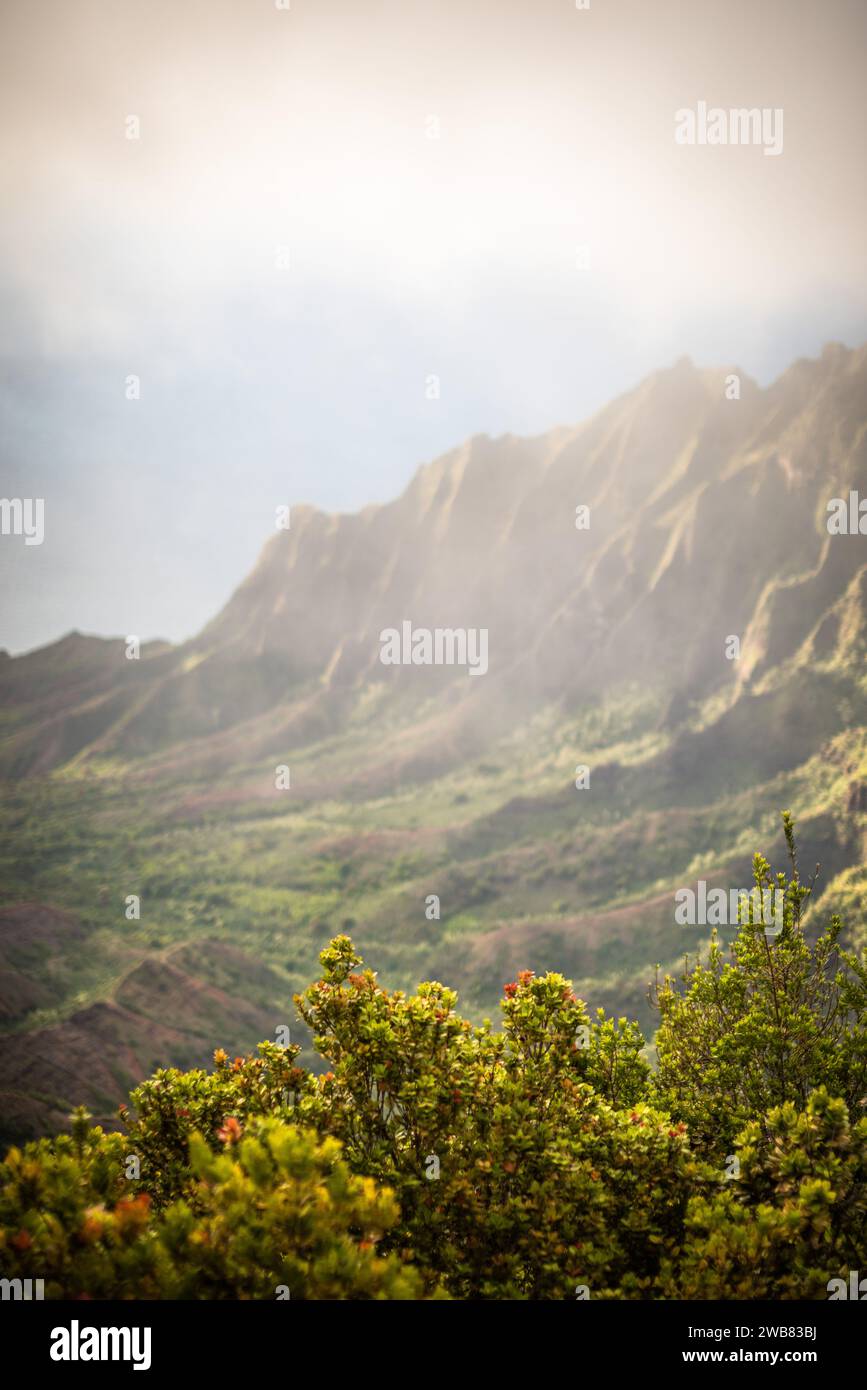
429,171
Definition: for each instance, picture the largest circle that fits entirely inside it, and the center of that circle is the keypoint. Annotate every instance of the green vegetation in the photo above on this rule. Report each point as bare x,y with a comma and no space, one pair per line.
438,1158
506,843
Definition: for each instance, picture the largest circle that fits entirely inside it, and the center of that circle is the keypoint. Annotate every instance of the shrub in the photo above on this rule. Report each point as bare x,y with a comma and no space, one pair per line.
165,1111
764,1024
794,1218
524,1162
277,1213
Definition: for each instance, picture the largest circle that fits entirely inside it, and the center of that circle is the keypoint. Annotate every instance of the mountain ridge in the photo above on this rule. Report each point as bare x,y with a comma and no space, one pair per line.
417,551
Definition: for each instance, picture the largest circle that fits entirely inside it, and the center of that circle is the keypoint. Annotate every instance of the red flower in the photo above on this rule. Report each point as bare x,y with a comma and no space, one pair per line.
231,1131
23,1240
510,990
131,1215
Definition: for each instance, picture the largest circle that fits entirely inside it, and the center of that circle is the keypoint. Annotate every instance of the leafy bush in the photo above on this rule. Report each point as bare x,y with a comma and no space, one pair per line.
519,1172
794,1218
763,1025
276,1214
172,1106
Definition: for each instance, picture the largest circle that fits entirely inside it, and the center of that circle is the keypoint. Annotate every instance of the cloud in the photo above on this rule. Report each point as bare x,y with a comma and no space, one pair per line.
308,131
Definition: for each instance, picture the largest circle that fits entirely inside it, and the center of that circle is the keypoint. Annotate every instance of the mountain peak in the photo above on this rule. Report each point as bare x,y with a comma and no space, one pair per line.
485,537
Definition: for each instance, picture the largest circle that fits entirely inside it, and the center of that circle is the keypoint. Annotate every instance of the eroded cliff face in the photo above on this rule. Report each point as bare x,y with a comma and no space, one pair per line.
705,517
